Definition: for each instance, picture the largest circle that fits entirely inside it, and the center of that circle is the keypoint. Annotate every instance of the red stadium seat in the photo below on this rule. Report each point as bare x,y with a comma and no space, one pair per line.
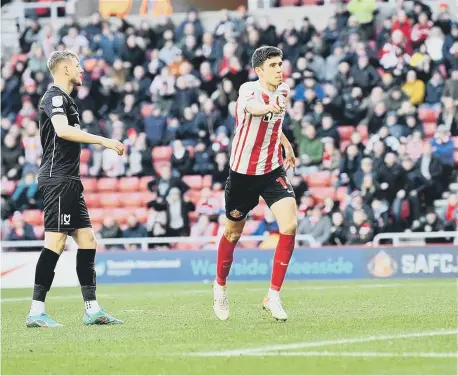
345,132
110,200
107,185
341,193
194,181
362,129
142,215
89,184
288,3
131,199
85,155
343,146
92,200
429,129
312,2
120,214
207,181
33,217
9,187
455,142
143,183
146,197
162,153
97,215
428,115
130,184
319,179
193,195
320,193
84,169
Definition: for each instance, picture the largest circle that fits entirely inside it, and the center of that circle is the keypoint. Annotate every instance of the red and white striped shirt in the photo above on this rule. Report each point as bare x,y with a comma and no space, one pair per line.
256,147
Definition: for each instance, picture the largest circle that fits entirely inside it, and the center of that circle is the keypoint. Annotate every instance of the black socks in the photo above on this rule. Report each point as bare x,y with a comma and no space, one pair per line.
85,268
44,274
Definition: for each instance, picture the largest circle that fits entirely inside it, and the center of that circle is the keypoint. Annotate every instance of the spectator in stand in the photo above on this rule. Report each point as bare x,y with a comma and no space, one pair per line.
74,41
134,230
310,149
420,31
363,10
110,230
25,195
450,214
155,125
414,88
181,159
32,146
221,170
434,44
431,173
328,131
177,210
338,234
207,204
331,157
27,112
415,145
443,148
360,230
316,224
434,90
20,229
268,225
164,182
356,204
139,158
112,164
409,192
349,165
449,116
203,164
365,169
381,216
390,177
12,157
430,223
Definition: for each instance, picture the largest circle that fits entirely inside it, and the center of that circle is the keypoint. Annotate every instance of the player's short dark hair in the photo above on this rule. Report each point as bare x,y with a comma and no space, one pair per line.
264,53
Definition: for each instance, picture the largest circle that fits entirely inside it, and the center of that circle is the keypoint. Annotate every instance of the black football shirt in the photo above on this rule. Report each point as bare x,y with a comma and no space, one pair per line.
61,158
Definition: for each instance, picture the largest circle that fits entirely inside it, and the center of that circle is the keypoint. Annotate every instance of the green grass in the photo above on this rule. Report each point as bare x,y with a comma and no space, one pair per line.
166,325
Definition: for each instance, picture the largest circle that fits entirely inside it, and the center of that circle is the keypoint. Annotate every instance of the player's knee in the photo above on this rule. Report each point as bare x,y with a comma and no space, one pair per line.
232,235
289,227
90,242
55,241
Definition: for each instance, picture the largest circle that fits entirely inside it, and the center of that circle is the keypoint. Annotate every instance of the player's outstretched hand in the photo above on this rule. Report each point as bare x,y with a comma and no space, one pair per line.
274,108
115,145
290,160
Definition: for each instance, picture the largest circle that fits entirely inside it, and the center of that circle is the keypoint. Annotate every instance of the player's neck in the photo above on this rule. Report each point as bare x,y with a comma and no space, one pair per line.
64,85
267,86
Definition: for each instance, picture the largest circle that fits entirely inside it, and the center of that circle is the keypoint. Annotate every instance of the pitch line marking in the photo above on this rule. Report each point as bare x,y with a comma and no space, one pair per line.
356,354
343,341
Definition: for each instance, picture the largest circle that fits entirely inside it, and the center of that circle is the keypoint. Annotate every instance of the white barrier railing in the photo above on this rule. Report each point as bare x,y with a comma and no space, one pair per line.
397,236
143,242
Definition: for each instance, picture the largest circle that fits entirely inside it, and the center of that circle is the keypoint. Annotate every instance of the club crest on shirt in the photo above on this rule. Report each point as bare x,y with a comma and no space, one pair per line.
57,101
235,214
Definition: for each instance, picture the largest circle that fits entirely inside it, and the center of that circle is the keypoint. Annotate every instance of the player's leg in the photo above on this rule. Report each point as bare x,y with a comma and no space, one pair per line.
279,195
240,198
85,267
54,243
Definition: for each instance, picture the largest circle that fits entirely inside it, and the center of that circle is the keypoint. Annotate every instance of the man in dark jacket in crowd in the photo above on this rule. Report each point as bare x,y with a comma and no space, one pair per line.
110,230
390,177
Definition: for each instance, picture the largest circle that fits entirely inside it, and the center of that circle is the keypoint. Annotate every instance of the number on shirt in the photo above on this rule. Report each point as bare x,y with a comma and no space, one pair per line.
268,117
282,182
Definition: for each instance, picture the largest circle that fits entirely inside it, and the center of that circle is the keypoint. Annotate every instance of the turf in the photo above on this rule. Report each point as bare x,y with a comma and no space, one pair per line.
167,325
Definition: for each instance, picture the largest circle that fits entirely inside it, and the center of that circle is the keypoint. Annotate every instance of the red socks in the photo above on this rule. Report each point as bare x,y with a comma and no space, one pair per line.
282,256
224,262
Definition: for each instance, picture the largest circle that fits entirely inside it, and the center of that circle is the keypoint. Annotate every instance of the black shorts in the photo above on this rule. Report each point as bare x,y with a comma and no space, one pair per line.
64,206
242,191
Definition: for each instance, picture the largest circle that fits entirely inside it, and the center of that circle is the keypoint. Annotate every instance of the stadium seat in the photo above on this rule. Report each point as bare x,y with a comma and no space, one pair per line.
319,179
312,2
345,132
92,200
96,215
143,183
289,3
107,184
362,129
129,184
8,187
33,217
84,169
207,181
147,197
193,216
429,129
343,146
120,214
193,195
162,153
85,156
320,193
341,193
132,199
428,115
142,215
39,232
110,200
89,184
194,181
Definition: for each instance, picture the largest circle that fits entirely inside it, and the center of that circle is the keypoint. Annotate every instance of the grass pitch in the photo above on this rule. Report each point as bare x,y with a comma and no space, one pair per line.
340,328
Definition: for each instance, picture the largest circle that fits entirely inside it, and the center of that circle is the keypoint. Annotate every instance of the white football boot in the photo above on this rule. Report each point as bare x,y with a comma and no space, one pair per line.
220,302
273,305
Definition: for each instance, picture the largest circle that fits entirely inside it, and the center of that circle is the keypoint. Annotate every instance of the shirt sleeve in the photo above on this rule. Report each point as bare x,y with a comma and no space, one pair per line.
246,94
55,104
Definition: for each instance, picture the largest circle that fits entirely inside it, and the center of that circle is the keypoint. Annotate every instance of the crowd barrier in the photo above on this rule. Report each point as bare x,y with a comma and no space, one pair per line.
341,263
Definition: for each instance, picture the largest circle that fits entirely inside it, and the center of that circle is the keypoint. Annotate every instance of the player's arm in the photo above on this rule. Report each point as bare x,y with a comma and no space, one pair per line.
256,108
290,158
66,132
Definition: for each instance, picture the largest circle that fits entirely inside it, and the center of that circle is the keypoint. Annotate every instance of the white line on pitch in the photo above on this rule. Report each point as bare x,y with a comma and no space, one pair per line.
343,341
356,354
334,287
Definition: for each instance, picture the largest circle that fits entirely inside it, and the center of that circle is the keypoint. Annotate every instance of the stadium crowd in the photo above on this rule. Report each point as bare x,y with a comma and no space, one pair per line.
373,116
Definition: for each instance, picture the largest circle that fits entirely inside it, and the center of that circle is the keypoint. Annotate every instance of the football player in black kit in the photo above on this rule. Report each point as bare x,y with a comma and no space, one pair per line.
65,210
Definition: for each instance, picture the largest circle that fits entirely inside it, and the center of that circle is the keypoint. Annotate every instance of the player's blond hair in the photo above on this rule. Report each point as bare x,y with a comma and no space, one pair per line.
57,56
